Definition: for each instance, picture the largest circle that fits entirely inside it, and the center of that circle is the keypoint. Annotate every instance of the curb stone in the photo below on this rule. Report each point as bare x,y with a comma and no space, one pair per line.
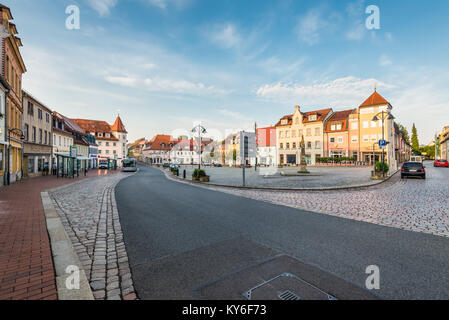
64,255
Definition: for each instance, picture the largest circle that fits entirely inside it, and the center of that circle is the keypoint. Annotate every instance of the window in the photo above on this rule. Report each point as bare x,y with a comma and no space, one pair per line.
365,124
333,127
30,109
45,137
114,144
373,124
301,133
33,134
40,136
309,145
108,135
297,121
309,132
293,133
281,146
317,145
317,132
373,138
99,143
47,117
288,146
312,118
100,134
287,134
340,140
294,145
107,151
107,144
280,134
39,114
59,140
332,140
27,129
354,125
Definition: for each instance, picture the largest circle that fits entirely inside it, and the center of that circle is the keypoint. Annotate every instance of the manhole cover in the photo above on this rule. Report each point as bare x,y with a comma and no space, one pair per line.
286,286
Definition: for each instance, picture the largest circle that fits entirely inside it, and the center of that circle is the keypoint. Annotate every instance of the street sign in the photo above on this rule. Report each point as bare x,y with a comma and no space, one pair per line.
382,143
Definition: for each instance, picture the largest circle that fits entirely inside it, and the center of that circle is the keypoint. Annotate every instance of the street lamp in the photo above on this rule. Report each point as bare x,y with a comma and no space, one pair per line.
19,132
384,115
201,130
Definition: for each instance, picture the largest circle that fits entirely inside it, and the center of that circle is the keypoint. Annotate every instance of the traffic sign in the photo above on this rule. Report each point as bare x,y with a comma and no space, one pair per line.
382,143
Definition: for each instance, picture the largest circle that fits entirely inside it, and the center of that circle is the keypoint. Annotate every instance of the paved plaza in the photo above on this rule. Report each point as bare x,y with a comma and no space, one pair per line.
320,177
412,204
89,214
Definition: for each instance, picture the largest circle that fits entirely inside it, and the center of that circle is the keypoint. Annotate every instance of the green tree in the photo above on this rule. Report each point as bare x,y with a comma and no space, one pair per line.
415,140
405,131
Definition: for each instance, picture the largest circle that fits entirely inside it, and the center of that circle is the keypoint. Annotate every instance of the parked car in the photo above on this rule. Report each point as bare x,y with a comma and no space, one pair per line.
166,165
441,163
174,166
217,165
413,169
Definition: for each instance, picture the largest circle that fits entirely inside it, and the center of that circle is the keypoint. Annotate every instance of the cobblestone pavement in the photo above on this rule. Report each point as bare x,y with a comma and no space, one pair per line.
319,177
89,214
412,204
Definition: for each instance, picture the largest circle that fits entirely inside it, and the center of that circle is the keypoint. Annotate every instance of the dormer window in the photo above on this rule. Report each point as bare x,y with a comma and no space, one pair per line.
312,117
284,121
100,134
108,135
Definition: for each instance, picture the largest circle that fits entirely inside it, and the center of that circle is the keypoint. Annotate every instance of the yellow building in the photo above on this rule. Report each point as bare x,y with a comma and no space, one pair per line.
13,68
444,144
291,128
370,115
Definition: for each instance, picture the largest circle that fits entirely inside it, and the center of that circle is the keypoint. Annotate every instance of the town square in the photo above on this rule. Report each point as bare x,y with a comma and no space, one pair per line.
191,150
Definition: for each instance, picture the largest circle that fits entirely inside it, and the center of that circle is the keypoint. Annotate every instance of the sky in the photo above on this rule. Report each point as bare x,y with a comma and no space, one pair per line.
167,65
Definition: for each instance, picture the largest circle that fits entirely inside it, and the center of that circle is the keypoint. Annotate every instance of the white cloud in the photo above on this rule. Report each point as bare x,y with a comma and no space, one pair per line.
226,36
309,27
385,61
157,84
348,92
103,7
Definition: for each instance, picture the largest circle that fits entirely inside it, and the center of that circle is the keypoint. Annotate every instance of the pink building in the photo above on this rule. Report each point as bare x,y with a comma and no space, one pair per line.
339,136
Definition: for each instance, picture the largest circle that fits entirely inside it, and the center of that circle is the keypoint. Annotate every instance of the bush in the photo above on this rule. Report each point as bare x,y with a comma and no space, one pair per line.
198,173
380,166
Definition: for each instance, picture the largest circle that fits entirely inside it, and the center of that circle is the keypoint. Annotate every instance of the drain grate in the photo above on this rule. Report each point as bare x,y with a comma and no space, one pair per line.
288,295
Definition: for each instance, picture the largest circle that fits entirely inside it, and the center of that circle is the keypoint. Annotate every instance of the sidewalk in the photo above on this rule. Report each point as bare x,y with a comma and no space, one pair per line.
26,265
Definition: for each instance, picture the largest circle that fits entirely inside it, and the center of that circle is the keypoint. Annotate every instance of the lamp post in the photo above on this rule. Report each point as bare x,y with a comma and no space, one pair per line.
22,137
201,130
384,115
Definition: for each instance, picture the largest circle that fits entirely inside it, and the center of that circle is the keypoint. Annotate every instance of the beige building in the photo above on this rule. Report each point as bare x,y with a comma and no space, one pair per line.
444,143
37,128
290,130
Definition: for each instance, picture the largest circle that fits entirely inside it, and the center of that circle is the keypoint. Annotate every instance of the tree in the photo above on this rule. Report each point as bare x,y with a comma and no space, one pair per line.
405,132
415,140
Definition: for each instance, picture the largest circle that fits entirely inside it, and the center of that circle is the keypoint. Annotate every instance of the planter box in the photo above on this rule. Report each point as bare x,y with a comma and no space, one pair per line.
195,179
377,175
205,179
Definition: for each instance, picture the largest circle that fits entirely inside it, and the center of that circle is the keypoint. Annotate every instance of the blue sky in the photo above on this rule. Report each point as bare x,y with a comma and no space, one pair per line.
166,64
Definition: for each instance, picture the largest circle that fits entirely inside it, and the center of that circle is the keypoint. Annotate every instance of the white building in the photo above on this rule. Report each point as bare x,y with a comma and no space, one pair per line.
111,139
158,150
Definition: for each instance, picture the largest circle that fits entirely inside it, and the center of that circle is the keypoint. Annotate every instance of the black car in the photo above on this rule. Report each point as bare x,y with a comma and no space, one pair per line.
217,165
413,169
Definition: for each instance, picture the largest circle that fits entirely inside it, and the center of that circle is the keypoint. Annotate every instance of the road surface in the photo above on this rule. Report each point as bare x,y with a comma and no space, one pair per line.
186,242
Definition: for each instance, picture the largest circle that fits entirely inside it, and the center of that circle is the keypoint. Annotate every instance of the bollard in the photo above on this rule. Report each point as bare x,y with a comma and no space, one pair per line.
184,174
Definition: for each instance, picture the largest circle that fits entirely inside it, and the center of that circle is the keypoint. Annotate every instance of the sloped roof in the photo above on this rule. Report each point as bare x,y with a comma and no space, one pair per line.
70,125
118,126
374,99
96,126
321,115
161,142
340,117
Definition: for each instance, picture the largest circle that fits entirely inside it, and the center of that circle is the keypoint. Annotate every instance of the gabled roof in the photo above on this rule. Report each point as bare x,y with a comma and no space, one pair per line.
374,99
339,117
96,126
161,142
118,126
321,115
70,125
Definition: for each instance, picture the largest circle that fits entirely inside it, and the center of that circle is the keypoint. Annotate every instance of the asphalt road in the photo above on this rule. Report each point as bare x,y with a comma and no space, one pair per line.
186,242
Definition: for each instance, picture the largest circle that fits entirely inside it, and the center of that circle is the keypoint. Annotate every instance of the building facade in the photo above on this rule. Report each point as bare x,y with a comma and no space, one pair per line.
111,139
37,128
4,89
157,151
372,131
266,146
338,142
291,128
12,70
444,143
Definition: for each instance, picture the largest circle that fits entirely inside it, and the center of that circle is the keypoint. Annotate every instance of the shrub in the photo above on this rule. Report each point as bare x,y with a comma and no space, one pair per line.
198,173
380,167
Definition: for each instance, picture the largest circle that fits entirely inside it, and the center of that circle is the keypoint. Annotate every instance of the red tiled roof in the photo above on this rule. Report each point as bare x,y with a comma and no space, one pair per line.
161,142
118,126
374,99
339,117
321,115
96,126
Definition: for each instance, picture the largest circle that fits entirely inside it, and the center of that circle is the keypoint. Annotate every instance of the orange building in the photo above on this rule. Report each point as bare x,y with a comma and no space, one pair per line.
12,70
337,139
